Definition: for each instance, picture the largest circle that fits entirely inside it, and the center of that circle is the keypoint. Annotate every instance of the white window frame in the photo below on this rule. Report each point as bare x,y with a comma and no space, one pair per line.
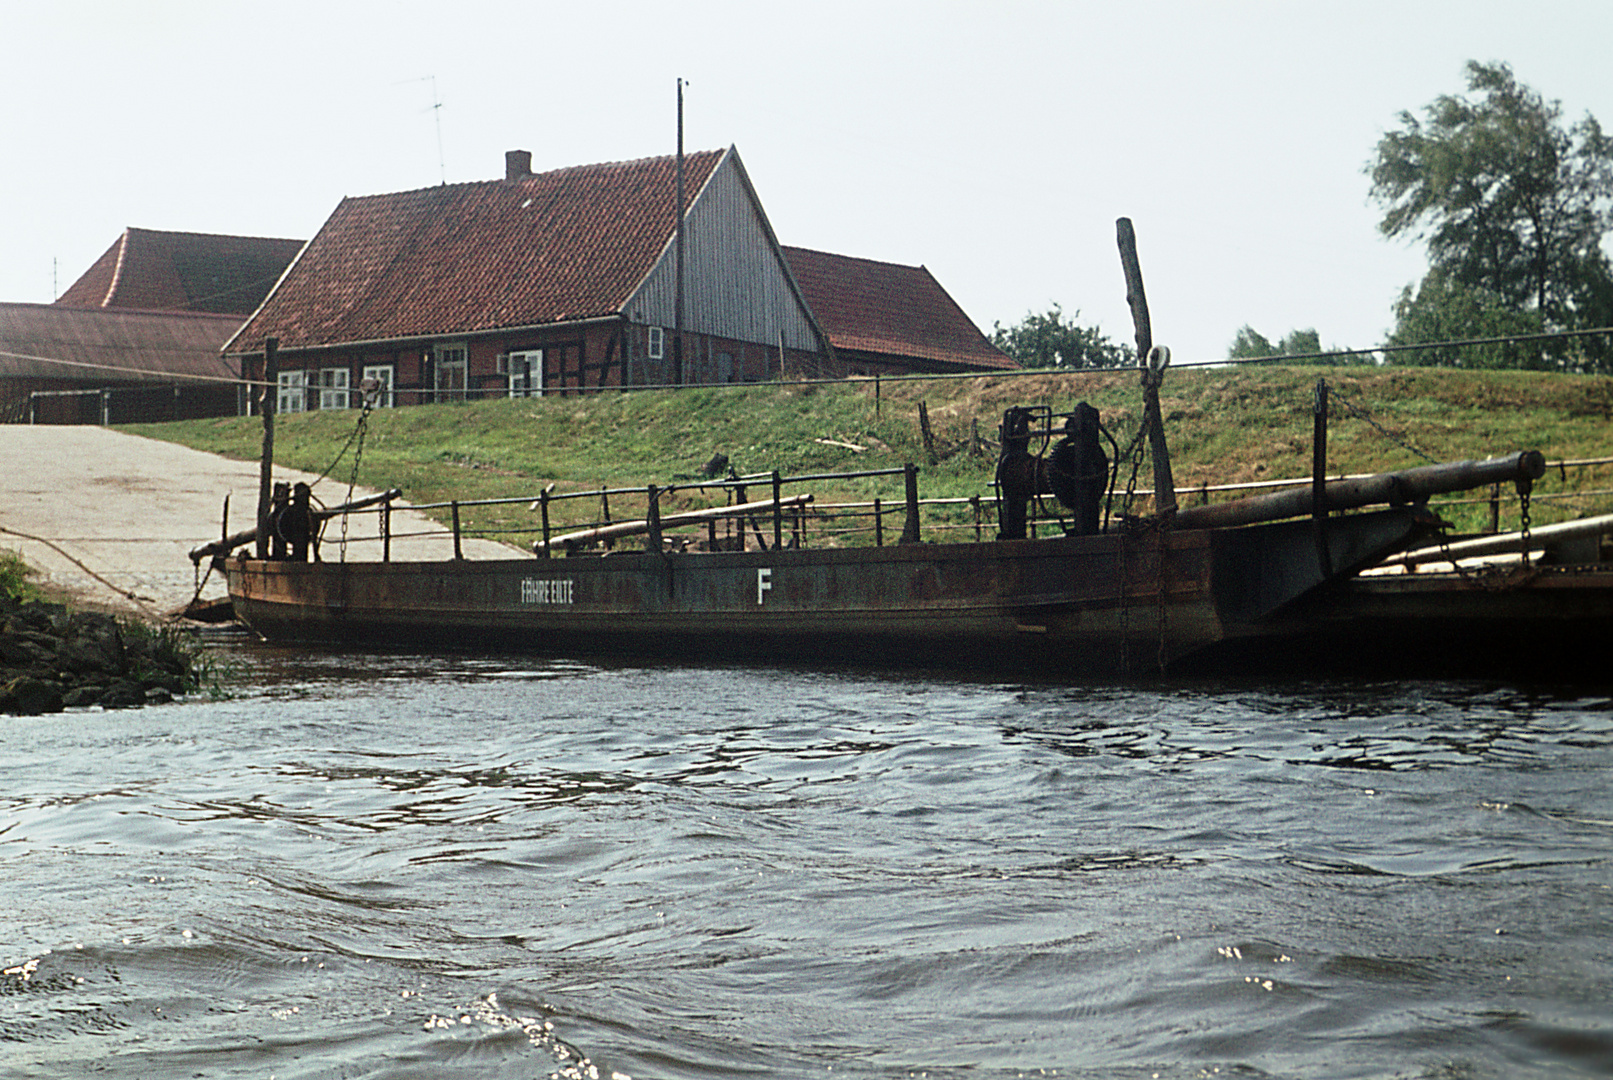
333,388
655,343
381,373
446,360
291,393
525,373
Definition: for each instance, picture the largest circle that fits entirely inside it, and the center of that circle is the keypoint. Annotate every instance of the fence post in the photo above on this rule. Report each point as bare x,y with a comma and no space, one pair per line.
910,530
543,510
879,524
455,507
652,518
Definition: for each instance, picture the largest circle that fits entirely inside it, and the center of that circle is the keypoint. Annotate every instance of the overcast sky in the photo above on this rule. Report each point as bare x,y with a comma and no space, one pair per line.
995,143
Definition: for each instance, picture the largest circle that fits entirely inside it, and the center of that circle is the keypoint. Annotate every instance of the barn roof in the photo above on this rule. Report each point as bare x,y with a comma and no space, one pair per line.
891,310
180,271
559,246
49,341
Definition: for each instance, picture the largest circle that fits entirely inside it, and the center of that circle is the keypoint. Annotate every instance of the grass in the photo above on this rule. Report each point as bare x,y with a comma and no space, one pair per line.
14,574
1224,425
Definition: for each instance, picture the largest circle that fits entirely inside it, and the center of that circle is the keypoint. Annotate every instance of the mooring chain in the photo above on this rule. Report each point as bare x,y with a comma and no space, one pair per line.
1164,528
1489,577
1135,452
357,433
1125,609
358,455
1361,411
1524,487
1130,527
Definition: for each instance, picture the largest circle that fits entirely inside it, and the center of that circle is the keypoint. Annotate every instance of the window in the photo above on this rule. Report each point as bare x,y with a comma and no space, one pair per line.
656,347
382,374
333,387
449,373
292,396
525,373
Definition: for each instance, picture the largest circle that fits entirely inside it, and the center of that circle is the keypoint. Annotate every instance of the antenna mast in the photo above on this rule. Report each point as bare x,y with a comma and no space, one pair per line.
436,113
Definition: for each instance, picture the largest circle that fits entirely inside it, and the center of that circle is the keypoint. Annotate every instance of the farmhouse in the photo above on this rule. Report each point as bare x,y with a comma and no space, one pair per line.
561,280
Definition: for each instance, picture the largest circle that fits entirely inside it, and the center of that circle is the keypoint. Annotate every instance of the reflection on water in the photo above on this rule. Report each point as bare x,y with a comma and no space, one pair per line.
387,865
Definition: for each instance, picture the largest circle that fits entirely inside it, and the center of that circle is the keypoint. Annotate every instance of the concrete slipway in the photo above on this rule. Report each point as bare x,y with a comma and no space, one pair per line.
110,517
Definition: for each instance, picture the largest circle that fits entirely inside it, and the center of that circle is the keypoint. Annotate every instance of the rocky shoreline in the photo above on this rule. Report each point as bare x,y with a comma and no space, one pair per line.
54,658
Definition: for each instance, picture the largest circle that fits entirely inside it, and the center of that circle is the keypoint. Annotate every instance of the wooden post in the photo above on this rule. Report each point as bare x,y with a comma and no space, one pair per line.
879,524
454,508
925,433
271,377
910,529
543,510
386,528
778,515
1319,476
1153,365
652,519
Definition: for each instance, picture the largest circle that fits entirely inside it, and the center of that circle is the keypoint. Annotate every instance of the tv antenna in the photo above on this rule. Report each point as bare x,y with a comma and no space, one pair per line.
436,111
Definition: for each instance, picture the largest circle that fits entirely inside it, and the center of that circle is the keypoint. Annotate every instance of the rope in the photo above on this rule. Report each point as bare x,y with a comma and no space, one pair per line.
58,549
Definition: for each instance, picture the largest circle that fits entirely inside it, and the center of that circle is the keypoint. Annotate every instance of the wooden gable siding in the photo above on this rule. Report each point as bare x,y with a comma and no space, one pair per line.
736,285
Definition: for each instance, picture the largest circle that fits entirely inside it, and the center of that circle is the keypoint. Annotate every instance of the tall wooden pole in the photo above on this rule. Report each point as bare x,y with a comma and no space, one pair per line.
271,379
1153,366
677,287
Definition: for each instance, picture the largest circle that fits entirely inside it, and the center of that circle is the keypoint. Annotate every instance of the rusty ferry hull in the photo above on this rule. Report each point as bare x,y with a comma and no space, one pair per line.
1107,603
1542,622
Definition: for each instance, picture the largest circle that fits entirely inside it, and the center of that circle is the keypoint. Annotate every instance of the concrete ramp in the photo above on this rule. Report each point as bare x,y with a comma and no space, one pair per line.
111,517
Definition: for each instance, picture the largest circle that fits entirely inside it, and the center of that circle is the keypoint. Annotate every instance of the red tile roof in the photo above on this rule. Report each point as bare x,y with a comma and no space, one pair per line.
892,310
99,345
556,247
176,271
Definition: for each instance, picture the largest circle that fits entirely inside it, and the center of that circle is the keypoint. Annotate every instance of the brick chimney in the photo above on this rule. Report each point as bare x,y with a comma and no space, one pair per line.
517,165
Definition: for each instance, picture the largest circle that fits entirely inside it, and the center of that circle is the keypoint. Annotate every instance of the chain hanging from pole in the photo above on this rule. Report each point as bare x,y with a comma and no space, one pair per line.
371,394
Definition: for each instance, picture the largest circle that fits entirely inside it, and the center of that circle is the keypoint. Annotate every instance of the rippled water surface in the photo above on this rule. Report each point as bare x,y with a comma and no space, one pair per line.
404,866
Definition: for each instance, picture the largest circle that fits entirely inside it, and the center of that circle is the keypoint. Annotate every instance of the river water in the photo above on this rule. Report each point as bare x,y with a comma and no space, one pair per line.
447,866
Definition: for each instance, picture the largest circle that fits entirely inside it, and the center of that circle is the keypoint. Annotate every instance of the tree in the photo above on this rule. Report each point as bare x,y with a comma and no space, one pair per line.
1510,202
1443,309
1038,341
1250,344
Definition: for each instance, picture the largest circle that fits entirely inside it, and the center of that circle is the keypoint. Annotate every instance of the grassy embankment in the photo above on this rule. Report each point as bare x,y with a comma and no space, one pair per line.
1224,426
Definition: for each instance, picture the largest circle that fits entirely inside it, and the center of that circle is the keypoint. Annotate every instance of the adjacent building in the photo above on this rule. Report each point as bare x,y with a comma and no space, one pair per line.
138,336
66,365
884,318
151,270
